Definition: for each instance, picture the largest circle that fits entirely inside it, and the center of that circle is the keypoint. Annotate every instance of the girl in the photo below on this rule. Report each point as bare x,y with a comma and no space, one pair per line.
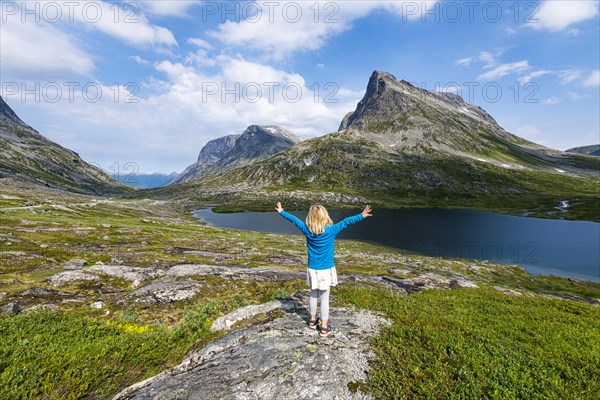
320,232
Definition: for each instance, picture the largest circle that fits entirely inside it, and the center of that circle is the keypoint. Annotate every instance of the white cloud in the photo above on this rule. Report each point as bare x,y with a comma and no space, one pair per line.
573,32
31,50
593,79
201,43
465,62
140,60
47,46
532,75
490,61
552,100
124,24
488,58
505,69
176,8
278,28
556,15
569,75
166,129
577,96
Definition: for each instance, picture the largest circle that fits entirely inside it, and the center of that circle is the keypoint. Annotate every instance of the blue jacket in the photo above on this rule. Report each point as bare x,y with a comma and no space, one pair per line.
320,247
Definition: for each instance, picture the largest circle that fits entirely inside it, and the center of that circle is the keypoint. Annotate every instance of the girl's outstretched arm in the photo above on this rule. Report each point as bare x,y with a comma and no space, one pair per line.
337,228
299,224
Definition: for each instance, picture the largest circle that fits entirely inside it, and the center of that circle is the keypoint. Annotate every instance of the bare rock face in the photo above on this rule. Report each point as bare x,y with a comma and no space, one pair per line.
43,293
209,155
75,263
256,143
387,98
133,274
258,273
280,359
227,321
67,277
164,291
434,281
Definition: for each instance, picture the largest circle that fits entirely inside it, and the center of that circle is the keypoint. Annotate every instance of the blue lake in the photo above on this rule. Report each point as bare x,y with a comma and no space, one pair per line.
570,249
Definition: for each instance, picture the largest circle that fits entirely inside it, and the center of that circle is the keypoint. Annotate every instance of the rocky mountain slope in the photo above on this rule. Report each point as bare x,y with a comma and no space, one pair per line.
28,156
225,153
209,155
592,150
405,146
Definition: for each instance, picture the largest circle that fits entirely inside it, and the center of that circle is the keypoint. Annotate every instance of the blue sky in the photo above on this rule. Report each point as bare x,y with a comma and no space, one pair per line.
149,83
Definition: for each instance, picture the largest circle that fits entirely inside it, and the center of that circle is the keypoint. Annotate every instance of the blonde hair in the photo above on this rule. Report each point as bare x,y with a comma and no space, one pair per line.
317,219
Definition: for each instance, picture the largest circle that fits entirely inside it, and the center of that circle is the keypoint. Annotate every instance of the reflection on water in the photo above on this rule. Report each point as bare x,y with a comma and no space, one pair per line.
553,247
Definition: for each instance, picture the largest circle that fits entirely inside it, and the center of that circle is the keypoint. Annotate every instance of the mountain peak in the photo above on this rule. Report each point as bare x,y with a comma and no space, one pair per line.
8,116
387,99
257,142
272,130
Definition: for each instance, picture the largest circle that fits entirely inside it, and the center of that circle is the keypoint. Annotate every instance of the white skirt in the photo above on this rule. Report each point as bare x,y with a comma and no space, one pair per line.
321,279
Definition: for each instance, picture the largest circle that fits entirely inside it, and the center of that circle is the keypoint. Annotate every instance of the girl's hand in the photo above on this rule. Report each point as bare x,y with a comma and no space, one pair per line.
367,211
278,207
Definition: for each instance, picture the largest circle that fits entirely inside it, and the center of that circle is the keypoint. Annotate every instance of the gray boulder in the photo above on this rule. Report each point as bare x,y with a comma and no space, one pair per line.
133,274
75,263
166,291
67,277
11,308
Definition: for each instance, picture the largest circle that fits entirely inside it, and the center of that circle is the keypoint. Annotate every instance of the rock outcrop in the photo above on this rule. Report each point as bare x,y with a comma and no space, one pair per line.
164,291
258,273
67,277
279,359
182,282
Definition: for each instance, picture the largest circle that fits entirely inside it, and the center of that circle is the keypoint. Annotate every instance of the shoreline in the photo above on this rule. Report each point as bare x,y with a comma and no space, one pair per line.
534,270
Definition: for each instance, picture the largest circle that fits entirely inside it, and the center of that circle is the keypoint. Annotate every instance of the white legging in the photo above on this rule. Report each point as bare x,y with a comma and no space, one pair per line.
324,295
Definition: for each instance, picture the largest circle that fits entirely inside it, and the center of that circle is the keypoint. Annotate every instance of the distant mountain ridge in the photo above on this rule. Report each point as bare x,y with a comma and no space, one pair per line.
591,150
405,146
147,180
27,155
228,152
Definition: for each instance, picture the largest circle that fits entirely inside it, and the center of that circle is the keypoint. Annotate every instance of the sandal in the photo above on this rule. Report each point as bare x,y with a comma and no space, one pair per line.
324,332
313,323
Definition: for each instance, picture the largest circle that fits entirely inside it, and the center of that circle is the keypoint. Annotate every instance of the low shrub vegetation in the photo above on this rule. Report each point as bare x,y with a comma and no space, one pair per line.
481,344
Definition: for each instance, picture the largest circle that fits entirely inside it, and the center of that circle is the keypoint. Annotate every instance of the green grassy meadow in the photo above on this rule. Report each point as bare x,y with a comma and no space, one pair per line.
458,343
